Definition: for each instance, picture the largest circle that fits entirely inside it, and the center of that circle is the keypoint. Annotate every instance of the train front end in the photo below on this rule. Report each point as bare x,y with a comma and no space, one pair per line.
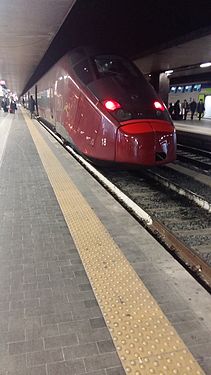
145,132
147,142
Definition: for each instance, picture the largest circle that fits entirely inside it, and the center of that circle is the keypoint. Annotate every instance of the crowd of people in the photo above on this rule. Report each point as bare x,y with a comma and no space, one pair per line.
9,104
179,111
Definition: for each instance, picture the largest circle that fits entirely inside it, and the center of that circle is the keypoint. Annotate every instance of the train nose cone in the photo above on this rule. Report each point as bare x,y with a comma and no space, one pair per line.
146,142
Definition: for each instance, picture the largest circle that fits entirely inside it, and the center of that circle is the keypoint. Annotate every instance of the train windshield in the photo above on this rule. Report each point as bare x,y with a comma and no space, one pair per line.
113,65
119,82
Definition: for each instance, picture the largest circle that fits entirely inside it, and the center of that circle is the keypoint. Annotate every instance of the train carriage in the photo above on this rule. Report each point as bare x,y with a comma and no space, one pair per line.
104,107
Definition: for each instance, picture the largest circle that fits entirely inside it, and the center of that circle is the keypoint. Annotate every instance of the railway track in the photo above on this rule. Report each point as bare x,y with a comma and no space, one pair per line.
178,217
194,157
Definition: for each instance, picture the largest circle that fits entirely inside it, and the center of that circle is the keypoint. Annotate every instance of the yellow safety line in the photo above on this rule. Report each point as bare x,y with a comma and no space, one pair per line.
145,340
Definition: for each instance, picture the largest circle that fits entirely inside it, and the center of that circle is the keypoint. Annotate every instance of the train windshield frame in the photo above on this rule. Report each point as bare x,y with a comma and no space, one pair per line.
106,66
84,71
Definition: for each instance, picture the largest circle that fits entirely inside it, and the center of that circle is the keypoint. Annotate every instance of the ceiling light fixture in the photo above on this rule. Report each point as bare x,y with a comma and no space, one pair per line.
169,71
205,65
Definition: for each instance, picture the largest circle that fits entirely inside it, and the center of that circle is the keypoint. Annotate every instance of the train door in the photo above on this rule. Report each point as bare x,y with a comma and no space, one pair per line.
58,101
88,123
71,99
88,119
207,113
35,95
66,95
28,96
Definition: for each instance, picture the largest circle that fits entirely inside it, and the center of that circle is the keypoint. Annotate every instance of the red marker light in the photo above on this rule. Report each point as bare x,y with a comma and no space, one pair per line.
111,105
159,106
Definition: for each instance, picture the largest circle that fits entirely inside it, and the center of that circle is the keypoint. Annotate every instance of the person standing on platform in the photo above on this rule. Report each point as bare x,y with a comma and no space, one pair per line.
13,106
31,105
177,110
185,109
200,108
193,108
171,109
5,104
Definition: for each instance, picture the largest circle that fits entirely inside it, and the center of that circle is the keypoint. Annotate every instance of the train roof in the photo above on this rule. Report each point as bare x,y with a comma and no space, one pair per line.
85,52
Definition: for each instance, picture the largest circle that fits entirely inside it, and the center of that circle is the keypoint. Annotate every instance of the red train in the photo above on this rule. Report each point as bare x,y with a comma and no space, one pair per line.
105,108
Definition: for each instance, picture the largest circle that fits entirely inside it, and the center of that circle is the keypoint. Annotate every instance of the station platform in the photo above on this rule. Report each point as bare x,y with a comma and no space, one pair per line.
202,127
194,133
84,289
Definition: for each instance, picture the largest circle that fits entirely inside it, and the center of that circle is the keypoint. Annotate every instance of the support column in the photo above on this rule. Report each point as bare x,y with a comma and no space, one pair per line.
160,82
164,88
154,80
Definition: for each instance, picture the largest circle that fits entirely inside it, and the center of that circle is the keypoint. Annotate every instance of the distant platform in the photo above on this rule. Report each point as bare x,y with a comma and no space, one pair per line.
194,126
194,133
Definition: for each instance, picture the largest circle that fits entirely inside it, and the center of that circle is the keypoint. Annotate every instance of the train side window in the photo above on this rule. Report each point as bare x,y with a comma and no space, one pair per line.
84,72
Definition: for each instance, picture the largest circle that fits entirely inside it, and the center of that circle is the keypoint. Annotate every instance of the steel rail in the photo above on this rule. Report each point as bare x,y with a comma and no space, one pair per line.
197,266
194,156
194,150
197,199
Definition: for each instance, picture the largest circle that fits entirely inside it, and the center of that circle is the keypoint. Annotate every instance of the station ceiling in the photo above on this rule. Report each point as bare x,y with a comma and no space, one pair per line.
27,28
159,35
184,58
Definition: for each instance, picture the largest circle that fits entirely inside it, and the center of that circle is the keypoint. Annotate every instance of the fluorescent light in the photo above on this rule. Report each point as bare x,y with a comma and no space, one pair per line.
205,65
169,71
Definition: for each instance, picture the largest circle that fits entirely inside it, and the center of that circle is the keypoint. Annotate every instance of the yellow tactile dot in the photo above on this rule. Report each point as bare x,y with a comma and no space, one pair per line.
112,278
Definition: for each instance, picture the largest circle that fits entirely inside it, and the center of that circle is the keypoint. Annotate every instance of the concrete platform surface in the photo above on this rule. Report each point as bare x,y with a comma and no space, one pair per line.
194,126
50,320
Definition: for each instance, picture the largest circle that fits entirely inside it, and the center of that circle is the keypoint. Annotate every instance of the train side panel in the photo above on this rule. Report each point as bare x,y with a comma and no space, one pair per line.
66,99
75,117
96,132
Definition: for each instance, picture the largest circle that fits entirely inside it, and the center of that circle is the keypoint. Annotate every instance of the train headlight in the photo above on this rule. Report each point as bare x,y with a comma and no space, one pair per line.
159,106
111,105
116,109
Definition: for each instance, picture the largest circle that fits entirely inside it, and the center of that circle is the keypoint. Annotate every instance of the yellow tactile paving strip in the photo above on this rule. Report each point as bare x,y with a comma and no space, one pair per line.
144,338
